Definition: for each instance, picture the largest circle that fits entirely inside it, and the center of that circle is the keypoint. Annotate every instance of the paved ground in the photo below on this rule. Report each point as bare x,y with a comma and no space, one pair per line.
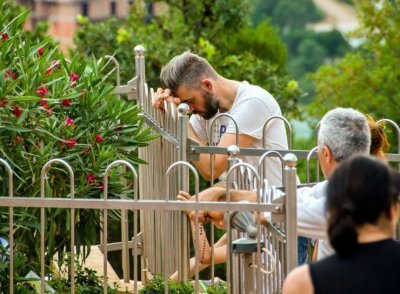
338,15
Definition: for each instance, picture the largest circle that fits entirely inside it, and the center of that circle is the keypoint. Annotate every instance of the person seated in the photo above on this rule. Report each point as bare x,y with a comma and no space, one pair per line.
343,133
363,209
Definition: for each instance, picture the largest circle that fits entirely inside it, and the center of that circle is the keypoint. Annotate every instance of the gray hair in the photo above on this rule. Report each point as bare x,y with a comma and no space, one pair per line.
186,70
346,132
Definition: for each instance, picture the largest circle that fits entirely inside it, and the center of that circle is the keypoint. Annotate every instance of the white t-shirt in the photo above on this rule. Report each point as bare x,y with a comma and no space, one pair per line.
251,108
311,218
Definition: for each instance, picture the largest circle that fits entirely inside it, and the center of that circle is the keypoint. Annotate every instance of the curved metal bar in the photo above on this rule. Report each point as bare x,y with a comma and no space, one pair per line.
107,173
211,133
271,153
11,222
286,122
43,176
115,61
196,222
314,150
395,126
125,248
229,235
217,117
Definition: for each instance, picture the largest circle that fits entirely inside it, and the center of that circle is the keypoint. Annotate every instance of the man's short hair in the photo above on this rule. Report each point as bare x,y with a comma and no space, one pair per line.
186,70
346,132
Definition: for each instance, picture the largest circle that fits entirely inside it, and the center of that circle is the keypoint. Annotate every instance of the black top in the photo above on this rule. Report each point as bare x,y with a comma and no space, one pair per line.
374,268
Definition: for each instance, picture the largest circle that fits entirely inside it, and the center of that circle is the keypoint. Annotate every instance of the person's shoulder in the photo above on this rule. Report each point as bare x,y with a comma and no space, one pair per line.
248,91
394,244
298,281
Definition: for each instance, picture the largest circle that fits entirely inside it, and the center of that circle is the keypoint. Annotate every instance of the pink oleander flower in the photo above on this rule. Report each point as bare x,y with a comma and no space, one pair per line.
69,121
42,91
3,102
90,178
17,111
101,187
4,36
74,77
40,51
98,138
71,142
49,111
66,102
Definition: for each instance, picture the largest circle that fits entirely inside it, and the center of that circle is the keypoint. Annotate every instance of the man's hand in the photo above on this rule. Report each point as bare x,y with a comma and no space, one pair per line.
210,194
163,95
184,196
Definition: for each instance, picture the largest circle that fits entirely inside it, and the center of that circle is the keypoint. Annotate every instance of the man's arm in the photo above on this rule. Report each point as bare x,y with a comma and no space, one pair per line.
220,160
219,194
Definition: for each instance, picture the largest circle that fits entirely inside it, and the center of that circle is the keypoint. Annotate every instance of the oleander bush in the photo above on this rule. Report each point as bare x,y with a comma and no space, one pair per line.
51,107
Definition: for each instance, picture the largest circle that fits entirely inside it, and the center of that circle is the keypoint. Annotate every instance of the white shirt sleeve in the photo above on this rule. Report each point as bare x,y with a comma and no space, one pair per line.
311,219
250,116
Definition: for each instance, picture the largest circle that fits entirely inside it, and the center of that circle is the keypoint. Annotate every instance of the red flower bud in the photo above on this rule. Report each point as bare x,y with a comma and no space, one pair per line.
101,187
86,150
17,111
3,102
98,138
49,112
4,36
17,139
10,74
42,91
66,102
69,121
44,103
54,64
40,51
119,128
74,77
90,178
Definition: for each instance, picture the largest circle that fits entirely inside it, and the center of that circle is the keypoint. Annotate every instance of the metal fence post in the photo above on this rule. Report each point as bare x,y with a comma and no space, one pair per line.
183,183
291,211
140,73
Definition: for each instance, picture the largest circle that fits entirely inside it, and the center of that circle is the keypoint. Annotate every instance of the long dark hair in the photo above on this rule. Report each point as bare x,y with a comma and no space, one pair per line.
360,190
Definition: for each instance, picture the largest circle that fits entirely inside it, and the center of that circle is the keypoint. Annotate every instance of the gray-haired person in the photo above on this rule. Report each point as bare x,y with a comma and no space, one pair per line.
344,132
189,78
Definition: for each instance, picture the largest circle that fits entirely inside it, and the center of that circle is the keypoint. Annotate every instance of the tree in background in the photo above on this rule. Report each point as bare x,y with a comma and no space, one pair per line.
286,14
218,30
307,50
369,78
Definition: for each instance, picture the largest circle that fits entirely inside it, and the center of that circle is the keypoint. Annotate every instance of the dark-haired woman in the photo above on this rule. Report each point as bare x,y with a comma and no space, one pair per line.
363,210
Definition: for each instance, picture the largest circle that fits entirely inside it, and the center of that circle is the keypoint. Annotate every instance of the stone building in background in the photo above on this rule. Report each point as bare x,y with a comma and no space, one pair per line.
61,14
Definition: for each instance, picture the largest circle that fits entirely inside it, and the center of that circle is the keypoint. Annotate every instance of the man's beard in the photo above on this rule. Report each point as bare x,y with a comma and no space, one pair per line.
211,105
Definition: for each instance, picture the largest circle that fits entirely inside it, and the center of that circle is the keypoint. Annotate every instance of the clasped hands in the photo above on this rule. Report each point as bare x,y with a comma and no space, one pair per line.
217,217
